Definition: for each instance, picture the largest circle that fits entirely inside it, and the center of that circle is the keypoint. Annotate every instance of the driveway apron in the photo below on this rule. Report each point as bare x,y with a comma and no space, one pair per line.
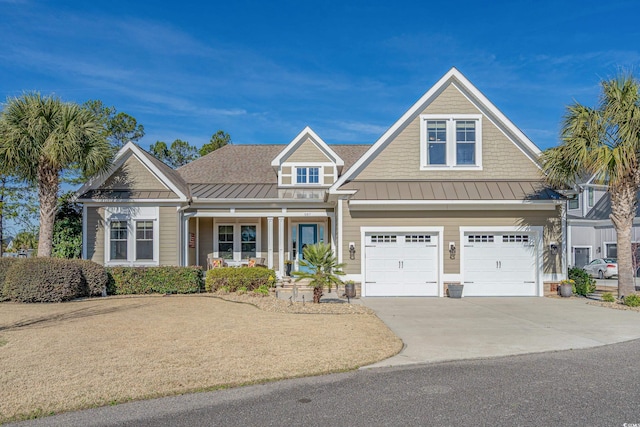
438,329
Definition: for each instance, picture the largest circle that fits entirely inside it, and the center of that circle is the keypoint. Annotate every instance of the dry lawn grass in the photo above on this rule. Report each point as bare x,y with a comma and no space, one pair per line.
58,357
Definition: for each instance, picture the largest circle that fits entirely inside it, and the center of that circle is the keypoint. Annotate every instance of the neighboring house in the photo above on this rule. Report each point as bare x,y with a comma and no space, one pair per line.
590,232
452,192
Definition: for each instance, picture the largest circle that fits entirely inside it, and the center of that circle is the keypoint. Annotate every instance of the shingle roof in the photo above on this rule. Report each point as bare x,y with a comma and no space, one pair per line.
249,164
450,190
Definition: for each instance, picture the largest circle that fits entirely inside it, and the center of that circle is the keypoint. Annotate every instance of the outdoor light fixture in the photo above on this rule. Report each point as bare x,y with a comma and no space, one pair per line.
553,248
352,250
452,250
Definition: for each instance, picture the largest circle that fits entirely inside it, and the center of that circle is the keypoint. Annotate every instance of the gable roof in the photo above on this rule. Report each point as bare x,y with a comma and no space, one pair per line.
299,140
456,78
249,164
162,172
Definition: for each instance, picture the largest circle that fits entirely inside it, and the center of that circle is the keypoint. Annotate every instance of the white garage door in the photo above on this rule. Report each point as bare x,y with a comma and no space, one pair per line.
401,264
499,264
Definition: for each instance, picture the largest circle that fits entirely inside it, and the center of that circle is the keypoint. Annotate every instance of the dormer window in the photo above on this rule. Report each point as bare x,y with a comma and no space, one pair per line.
451,141
307,175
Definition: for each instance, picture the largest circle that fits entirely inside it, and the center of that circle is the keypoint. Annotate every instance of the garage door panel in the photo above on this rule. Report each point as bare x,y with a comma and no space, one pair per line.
499,265
401,265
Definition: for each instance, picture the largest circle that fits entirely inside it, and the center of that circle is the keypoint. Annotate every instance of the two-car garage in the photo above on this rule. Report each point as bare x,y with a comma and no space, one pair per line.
492,262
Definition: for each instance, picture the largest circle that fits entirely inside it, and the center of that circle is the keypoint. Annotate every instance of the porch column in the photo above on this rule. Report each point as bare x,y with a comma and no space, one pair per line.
185,244
332,220
281,245
270,242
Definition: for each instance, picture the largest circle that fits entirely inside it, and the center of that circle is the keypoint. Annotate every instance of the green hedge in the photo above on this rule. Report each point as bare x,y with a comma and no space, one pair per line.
94,275
44,280
585,285
233,278
149,280
5,264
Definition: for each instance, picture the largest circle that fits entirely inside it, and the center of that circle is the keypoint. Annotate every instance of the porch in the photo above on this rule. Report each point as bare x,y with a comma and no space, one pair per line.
237,235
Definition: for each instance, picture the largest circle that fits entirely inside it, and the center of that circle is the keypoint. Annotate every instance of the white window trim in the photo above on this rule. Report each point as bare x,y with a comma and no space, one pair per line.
451,141
131,215
321,174
237,243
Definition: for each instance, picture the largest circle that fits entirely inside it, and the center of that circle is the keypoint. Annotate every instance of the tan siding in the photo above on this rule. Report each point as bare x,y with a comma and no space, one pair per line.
168,236
400,159
286,180
307,152
133,175
205,240
329,177
95,235
286,170
451,221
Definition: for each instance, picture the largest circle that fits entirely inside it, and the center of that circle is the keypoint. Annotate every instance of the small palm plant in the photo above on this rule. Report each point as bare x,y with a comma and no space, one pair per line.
323,269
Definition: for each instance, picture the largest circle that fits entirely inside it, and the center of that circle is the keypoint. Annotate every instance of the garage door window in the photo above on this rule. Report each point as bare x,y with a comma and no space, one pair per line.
481,238
515,238
384,239
417,238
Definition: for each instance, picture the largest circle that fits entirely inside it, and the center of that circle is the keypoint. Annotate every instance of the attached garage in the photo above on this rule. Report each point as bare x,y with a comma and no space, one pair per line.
401,264
500,263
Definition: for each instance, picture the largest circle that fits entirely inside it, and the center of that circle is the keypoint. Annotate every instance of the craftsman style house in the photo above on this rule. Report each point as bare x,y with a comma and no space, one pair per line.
451,192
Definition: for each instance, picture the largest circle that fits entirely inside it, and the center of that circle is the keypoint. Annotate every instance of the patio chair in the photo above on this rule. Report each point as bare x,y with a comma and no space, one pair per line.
255,261
215,262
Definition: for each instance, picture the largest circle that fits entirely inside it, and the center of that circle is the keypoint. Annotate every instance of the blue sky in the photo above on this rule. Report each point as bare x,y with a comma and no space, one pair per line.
349,69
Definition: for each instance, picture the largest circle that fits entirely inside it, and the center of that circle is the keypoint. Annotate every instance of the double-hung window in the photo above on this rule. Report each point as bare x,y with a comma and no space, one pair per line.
144,240
307,175
451,141
118,235
132,236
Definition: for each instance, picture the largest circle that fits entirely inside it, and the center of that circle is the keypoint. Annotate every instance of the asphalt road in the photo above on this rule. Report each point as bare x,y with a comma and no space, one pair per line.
592,387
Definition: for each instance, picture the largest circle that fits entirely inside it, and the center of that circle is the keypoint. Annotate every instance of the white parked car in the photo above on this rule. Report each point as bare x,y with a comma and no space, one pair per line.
602,268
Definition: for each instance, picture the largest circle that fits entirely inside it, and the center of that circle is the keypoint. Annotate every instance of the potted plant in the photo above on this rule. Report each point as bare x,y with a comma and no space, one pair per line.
455,290
287,266
566,287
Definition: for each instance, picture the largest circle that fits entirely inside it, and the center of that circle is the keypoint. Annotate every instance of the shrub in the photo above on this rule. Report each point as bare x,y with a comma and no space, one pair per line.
234,278
95,276
585,285
149,280
5,264
608,297
632,300
262,290
44,280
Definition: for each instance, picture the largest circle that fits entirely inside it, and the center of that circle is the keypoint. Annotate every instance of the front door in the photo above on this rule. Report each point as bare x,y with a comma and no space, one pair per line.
581,257
307,235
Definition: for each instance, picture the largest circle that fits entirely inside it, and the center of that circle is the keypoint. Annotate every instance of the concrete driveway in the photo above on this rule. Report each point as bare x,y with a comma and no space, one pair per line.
437,329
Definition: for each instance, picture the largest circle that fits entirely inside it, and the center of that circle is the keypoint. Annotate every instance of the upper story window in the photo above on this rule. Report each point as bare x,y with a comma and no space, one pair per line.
452,141
591,197
574,203
307,175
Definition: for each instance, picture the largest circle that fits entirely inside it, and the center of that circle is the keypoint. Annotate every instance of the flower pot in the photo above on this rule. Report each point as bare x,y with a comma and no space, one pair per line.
350,290
455,291
566,290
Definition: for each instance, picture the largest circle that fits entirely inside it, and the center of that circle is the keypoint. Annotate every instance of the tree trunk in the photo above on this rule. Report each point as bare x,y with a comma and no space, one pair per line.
317,294
3,185
623,210
48,183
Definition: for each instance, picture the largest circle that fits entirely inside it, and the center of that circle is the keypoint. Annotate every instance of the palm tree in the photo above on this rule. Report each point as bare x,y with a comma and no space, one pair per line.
605,141
323,269
40,137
